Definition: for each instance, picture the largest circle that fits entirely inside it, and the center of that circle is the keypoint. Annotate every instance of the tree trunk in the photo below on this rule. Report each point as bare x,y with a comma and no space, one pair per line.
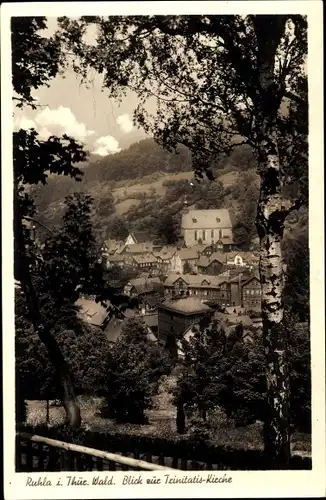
276,431
181,419
271,213
54,352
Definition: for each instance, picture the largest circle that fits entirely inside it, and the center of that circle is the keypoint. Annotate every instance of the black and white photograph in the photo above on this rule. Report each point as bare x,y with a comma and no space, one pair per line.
166,248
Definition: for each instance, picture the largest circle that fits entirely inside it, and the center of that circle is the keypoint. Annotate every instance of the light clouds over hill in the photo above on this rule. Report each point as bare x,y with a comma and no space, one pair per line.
62,120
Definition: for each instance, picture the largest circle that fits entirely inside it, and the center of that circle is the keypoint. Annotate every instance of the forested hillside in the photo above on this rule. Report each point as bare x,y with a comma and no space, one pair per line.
144,188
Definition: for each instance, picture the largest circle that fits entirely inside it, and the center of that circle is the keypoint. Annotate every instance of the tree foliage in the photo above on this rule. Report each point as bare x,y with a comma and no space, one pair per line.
135,366
84,349
219,81
296,256
223,371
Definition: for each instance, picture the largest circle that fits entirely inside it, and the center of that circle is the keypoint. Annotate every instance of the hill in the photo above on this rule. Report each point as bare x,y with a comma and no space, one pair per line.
139,186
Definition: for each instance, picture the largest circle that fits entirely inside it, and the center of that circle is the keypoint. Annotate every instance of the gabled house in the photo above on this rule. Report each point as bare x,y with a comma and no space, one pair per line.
188,256
138,248
205,287
175,318
206,227
92,313
142,286
148,304
213,264
165,258
137,237
110,246
115,260
251,293
242,259
146,262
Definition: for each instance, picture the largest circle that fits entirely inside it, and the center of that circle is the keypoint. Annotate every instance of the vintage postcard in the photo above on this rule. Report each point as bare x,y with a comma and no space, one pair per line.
163,258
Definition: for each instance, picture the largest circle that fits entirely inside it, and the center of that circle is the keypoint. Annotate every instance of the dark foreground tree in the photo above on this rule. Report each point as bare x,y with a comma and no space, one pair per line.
220,81
227,372
35,61
223,371
85,351
135,366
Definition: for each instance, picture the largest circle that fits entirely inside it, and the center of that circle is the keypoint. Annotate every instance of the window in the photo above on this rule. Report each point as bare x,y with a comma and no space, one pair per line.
220,233
196,235
212,234
194,220
204,234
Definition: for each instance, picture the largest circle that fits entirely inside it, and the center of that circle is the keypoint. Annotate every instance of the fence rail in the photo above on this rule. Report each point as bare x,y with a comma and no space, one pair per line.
38,453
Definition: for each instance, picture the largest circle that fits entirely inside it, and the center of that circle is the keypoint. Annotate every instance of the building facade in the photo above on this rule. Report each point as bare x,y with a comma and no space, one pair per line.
204,287
206,227
175,317
251,293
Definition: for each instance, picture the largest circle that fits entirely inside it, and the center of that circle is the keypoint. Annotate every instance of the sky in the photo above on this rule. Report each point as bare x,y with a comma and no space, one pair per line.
89,115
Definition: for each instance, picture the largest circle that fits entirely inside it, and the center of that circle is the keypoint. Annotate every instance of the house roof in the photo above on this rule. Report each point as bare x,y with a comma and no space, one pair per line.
196,280
187,305
145,258
115,258
166,252
141,236
205,261
151,320
91,312
206,219
152,301
143,281
139,248
111,245
188,254
200,248
254,276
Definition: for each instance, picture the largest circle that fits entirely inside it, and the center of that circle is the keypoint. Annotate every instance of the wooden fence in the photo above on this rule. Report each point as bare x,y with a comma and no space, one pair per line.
40,454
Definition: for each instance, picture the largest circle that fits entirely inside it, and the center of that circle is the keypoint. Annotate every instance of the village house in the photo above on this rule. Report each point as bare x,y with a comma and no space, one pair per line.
165,259
205,287
115,260
142,286
146,262
175,317
212,264
242,259
188,256
110,247
138,248
251,293
92,313
137,237
148,304
207,227
96,316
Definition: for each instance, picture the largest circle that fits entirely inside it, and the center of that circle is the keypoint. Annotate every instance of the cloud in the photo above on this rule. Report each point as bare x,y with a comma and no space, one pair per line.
57,122
125,123
62,121
24,123
106,145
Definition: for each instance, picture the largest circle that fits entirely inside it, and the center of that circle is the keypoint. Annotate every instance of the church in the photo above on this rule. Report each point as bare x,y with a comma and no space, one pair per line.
207,227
